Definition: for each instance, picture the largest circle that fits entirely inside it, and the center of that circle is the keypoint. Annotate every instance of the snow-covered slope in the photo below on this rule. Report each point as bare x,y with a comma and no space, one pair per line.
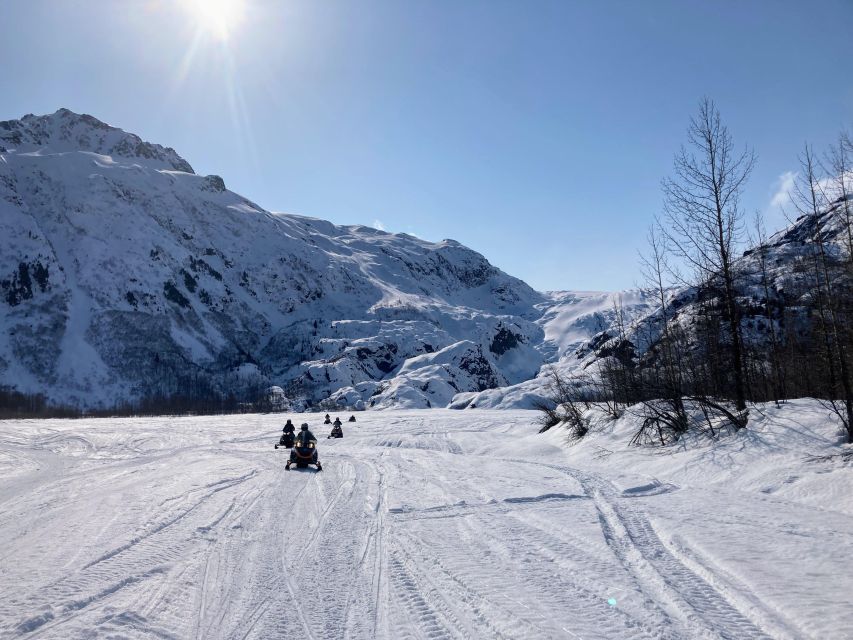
573,317
423,524
775,284
571,322
583,330
124,275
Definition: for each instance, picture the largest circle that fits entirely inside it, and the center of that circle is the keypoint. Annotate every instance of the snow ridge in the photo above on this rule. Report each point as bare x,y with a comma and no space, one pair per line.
124,275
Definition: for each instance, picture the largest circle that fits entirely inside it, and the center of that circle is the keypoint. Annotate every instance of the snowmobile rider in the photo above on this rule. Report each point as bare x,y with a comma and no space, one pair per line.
304,439
328,420
352,418
288,435
305,436
337,423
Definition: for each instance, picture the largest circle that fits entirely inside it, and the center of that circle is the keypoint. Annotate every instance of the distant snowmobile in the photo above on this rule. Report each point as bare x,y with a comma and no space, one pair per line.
288,436
328,420
304,451
337,432
286,440
351,419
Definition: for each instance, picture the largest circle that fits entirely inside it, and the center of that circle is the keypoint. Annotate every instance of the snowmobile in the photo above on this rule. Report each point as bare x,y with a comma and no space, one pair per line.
351,419
287,439
337,432
303,455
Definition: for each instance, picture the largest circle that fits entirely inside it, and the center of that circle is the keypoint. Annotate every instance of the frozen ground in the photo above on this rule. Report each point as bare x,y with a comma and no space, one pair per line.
424,524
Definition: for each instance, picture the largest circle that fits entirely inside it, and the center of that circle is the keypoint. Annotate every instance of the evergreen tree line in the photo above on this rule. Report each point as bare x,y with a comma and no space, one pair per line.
15,404
730,327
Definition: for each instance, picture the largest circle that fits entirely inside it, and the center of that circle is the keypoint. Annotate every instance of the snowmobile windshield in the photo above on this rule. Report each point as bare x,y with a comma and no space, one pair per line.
306,437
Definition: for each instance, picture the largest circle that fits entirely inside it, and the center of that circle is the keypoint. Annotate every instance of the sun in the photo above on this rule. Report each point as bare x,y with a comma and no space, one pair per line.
218,18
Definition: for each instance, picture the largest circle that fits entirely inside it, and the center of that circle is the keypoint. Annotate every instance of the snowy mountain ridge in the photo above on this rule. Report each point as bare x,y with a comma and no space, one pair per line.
66,131
123,274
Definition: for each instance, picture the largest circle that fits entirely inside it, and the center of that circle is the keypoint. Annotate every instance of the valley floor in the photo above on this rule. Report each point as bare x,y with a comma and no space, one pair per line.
427,524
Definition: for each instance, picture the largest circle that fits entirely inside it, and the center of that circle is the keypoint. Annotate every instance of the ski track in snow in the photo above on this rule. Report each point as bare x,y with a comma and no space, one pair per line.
422,525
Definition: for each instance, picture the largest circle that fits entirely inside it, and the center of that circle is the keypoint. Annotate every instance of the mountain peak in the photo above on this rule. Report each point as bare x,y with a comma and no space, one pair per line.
65,130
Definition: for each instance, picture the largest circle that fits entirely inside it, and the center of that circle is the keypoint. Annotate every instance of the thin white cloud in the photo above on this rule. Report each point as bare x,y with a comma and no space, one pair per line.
782,188
778,209
377,224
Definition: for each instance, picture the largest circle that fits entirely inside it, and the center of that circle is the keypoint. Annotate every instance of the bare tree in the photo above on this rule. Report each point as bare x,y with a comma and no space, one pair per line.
655,268
810,200
566,403
702,209
617,379
759,241
838,165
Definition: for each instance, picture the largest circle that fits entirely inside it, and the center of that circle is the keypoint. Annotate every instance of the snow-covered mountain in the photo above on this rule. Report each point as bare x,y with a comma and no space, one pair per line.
571,321
775,283
776,291
123,274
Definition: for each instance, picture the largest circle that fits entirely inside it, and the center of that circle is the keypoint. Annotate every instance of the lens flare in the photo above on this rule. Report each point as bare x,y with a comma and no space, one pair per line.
219,18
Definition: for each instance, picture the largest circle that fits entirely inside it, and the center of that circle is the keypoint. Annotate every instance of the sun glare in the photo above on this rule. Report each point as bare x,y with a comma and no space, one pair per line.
217,17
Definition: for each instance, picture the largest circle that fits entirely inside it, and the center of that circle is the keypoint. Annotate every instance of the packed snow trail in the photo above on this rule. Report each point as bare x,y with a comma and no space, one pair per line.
432,524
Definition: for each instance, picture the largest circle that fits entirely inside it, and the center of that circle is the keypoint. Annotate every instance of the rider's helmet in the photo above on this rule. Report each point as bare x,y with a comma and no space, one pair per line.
305,426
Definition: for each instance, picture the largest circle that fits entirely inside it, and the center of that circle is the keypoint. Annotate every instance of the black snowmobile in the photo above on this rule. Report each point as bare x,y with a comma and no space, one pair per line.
286,440
351,419
304,451
288,436
337,432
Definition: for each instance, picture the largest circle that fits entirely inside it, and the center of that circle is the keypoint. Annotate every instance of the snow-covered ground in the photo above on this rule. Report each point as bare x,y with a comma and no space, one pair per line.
424,524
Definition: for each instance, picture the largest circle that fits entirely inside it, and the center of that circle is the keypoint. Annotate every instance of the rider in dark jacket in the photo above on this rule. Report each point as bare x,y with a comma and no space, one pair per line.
305,436
287,435
337,432
303,439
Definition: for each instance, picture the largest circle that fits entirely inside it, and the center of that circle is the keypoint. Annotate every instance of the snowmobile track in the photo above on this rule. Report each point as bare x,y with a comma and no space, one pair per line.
192,528
705,611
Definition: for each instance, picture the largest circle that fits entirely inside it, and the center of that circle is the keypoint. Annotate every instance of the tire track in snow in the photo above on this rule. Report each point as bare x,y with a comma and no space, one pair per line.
327,571
216,487
490,541
151,554
370,569
473,583
428,619
387,542
704,611
548,575
253,572
775,623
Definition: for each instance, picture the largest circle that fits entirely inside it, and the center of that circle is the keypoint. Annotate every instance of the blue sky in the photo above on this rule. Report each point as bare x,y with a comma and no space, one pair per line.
535,132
